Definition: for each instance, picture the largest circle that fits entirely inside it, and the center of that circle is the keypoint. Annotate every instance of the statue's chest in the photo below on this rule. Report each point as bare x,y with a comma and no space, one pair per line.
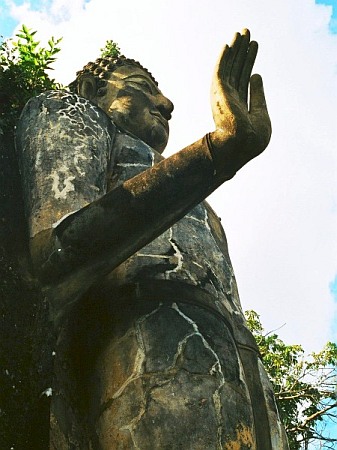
192,252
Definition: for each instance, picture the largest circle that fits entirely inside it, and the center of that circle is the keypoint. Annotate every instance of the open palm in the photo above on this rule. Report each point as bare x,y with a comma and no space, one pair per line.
249,124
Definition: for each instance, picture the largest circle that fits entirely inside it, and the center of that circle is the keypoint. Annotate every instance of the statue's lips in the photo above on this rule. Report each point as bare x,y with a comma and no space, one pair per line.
161,119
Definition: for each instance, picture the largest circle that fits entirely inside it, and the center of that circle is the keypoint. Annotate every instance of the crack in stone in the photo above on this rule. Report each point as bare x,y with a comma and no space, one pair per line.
204,341
145,255
132,165
130,427
205,222
138,324
196,264
136,373
181,346
217,406
188,216
177,256
216,368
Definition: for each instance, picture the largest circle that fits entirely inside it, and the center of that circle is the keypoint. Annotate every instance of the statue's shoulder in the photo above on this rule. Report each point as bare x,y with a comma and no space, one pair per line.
59,99
66,109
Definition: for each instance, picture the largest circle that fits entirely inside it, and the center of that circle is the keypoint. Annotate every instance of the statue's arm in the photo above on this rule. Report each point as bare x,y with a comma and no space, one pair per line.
121,222
91,242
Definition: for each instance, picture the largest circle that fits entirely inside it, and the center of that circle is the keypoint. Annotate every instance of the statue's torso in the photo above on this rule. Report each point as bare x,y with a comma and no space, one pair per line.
163,336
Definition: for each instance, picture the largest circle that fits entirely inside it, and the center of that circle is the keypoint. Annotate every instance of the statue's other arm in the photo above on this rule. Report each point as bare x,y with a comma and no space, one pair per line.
97,238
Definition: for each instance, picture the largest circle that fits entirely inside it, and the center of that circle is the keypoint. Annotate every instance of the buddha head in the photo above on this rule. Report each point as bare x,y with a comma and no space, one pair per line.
129,94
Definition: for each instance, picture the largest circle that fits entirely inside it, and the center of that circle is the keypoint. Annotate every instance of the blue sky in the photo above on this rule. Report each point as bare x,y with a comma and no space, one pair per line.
333,22
7,23
333,288
333,29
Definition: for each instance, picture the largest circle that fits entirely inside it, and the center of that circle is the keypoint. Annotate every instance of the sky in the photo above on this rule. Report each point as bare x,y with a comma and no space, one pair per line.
280,211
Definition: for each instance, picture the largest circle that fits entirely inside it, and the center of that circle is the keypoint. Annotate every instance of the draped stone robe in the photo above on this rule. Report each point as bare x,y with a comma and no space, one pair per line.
156,354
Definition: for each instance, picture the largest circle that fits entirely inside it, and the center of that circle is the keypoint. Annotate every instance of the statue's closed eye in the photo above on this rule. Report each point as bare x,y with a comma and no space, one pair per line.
142,85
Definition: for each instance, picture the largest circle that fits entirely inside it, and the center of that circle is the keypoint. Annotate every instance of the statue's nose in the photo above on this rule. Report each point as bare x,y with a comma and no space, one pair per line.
165,106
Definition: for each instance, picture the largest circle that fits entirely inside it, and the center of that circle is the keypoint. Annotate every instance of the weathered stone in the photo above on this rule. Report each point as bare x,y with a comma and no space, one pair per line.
152,350
57,182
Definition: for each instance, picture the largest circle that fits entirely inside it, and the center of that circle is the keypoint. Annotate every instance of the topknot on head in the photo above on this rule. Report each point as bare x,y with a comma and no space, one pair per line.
102,68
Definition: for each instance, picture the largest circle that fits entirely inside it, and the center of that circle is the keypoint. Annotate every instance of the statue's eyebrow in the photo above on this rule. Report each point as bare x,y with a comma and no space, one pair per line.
137,75
148,80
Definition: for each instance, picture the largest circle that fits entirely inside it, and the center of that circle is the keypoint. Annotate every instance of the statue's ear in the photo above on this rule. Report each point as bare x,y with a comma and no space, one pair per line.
87,86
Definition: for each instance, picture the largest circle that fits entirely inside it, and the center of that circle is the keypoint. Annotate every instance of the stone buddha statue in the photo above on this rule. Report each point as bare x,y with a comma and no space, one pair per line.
153,351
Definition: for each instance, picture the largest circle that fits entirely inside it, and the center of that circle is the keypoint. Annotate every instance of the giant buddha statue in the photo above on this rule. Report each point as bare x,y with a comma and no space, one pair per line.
153,351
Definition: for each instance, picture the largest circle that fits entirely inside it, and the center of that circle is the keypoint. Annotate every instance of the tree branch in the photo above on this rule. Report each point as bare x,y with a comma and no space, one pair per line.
318,413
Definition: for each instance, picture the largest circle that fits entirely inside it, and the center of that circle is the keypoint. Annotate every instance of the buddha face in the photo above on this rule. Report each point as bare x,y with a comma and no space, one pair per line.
135,104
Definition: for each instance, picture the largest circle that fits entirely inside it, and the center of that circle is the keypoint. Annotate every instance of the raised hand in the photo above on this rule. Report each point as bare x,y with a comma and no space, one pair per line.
242,132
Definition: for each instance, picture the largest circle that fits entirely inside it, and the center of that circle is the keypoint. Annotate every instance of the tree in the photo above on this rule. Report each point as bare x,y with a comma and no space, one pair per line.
304,385
25,338
23,73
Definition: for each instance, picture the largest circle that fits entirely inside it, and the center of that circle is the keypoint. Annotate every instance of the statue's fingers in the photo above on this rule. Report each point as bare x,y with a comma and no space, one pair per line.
257,98
235,47
259,112
227,57
222,62
239,59
247,70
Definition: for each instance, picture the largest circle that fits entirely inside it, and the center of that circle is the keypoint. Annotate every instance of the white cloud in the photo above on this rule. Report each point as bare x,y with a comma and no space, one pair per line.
280,212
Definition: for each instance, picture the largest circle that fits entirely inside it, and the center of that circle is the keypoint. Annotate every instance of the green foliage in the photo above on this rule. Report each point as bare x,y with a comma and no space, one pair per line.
111,49
304,386
23,66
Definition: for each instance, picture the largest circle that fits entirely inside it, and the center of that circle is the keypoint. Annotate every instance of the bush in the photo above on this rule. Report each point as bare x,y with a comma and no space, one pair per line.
23,66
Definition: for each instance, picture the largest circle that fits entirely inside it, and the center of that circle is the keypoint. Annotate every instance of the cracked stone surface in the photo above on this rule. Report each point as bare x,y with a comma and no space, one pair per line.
178,391
58,182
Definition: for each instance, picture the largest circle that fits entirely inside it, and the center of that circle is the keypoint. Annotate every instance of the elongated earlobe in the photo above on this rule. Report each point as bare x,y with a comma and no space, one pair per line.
87,86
